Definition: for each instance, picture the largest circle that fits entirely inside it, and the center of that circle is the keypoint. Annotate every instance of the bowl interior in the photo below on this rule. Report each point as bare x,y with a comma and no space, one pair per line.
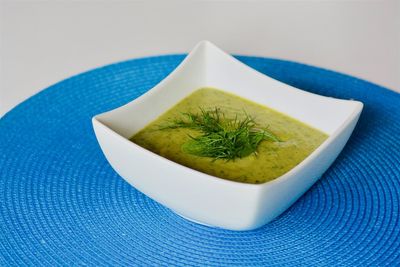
208,66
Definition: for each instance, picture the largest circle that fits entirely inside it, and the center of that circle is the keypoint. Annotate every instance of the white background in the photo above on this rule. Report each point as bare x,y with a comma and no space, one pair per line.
43,42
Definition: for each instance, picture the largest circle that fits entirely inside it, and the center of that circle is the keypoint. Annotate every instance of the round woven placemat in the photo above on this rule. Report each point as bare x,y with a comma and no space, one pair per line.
62,204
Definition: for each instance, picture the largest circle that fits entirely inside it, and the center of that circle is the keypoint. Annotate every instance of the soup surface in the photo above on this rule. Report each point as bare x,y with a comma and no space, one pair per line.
271,160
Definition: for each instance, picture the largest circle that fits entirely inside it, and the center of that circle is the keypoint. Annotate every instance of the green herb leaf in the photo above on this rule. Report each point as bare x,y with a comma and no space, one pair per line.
221,137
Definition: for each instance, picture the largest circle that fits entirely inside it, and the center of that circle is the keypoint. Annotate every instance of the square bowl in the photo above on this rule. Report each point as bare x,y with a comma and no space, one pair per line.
204,198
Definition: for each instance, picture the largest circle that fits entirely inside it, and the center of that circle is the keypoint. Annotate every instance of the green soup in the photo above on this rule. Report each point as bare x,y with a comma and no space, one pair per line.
272,159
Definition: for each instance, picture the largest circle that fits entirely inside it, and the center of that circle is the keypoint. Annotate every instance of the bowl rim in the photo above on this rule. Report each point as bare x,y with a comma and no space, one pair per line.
358,106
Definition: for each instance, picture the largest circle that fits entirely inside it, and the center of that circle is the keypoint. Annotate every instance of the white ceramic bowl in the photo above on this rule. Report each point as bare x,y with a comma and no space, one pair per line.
204,198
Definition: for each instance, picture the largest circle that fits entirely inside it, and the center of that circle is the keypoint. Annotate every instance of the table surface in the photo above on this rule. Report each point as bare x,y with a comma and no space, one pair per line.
62,204
43,42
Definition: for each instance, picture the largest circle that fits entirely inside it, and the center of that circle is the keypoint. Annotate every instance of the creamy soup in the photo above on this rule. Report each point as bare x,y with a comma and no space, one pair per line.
271,158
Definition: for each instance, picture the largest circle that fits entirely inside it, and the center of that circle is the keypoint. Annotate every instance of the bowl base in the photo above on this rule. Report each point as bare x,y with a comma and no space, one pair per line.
195,221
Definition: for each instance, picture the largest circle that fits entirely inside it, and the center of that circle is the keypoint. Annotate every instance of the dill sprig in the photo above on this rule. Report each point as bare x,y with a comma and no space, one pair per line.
221,137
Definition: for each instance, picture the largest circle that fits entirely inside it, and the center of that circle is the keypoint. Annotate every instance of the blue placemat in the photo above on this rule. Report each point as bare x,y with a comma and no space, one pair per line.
62,204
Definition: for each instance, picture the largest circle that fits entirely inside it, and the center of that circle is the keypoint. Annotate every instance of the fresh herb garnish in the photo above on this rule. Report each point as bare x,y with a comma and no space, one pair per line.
221,137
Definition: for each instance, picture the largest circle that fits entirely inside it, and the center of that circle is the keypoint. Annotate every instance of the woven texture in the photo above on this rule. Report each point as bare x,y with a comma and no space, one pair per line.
62,204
